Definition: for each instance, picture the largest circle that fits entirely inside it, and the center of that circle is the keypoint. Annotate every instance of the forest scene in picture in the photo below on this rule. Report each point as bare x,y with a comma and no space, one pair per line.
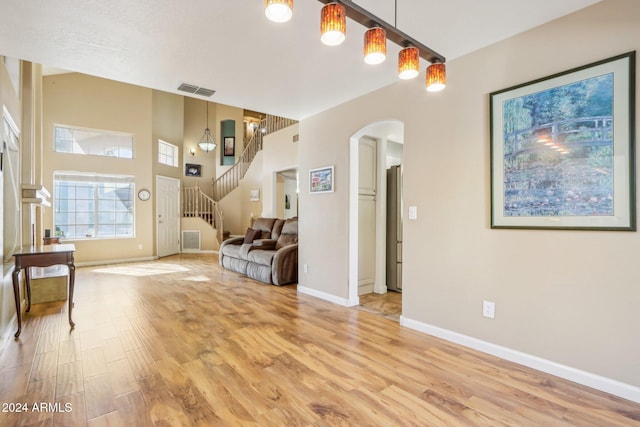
558,151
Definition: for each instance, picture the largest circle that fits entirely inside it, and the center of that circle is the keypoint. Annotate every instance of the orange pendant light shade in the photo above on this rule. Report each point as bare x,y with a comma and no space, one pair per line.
333,24
408,63
436,77
375,45
278,10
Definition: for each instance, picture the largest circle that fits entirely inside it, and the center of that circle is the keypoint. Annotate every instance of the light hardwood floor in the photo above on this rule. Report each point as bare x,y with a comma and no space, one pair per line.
178,342
388,304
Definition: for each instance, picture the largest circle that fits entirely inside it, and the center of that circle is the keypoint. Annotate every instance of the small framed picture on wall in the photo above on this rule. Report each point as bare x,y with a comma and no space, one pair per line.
321,180
229,146
191,169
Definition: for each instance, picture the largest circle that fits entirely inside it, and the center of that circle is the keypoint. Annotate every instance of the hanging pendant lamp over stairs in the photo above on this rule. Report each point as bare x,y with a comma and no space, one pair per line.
206,143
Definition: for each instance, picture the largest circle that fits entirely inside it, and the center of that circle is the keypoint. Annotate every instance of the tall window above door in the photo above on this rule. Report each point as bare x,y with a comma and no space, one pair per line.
93,142
167,153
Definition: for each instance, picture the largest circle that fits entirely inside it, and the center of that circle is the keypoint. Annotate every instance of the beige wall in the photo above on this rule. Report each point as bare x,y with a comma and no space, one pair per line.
90,102
570,297
168,125
194,125
253,180
279,153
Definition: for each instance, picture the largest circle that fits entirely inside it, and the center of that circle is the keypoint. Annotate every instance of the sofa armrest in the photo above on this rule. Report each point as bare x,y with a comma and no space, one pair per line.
231,241
284,267
267,244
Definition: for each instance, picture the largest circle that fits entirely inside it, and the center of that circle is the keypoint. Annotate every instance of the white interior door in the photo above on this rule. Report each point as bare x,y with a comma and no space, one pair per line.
168,215
366,215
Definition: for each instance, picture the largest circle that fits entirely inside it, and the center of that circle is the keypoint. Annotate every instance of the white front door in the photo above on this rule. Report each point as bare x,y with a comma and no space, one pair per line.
168,215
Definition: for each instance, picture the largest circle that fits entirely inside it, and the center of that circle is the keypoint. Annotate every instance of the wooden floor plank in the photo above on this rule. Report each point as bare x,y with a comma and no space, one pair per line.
99,396
161,350
72,411
70,379
121,377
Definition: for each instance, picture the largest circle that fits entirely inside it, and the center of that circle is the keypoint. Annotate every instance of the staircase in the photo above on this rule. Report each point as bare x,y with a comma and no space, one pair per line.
230,180
197,204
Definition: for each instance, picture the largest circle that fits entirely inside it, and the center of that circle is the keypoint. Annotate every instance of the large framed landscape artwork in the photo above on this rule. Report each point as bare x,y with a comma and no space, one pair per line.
563,150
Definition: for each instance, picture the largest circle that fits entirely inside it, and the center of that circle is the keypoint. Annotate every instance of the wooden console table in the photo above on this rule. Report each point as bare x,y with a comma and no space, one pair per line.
41,256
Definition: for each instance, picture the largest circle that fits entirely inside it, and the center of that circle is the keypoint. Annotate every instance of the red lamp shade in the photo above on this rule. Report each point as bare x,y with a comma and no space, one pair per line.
375,45
408,63
436,77
333,24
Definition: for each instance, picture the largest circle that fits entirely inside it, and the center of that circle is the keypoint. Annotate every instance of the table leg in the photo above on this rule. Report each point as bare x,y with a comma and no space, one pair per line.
27,285
16,294
72,280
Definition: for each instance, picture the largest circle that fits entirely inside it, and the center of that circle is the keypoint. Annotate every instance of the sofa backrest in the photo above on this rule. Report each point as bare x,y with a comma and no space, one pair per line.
270,228
289,234
277,228
264,225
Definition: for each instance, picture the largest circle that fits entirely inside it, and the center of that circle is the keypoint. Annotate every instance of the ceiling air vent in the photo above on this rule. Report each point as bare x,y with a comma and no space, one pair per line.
196,90
205,92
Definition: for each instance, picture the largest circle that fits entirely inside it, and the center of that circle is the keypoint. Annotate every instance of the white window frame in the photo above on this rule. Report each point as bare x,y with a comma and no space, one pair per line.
167,153
93,142
93,218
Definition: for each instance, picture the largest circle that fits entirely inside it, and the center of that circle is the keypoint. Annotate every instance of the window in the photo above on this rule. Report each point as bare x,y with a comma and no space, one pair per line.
93,142
93,205
10,186
167,153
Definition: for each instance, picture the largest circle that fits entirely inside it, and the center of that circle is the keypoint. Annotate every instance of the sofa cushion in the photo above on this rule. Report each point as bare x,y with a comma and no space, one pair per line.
260,256
265,225
286,240
231,251
289,234
290,226
264,244
277,229
251,235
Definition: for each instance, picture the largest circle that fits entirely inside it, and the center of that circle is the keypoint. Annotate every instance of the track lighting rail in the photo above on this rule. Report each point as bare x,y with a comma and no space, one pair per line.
367,19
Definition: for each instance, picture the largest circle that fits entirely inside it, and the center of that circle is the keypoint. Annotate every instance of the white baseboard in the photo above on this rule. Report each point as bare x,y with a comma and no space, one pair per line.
328,297
597,382
198,251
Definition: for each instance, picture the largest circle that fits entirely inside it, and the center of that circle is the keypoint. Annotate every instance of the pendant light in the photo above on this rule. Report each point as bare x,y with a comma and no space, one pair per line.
333,28
206,143
375,45
436,77
408,63
333,24
278,10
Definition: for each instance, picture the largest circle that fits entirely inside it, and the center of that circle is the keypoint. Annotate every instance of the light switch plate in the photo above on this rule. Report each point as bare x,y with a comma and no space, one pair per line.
413,212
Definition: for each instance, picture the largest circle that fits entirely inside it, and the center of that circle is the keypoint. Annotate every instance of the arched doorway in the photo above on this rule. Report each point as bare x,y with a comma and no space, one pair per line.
372,149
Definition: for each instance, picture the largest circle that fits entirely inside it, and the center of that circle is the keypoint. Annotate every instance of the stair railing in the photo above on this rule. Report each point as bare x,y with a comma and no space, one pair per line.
229,181
196,204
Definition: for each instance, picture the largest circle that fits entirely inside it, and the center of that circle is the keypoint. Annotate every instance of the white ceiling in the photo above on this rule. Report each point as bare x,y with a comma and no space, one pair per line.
252,63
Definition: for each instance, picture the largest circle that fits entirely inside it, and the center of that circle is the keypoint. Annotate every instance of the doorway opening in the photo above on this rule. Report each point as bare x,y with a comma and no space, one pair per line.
375,219
286,193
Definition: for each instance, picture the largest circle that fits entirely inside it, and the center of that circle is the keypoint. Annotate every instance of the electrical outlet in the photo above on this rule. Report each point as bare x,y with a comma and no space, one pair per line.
489,309
306,268
139,247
